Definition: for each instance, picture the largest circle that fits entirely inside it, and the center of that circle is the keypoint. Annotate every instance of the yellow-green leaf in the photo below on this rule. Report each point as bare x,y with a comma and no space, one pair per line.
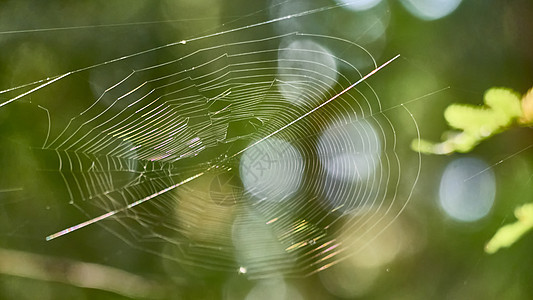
502,108
527,109
510,233
467,117
505,101
427,147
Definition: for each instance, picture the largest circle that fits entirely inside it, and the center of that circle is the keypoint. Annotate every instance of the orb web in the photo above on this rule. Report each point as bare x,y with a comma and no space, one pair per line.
223,154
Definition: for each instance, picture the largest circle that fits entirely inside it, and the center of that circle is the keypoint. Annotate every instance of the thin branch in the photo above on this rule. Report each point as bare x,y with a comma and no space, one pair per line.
80,274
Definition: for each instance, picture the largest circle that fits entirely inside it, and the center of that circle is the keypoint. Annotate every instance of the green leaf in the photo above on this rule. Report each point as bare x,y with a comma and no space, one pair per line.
527,109
467,117
502,108
505,101
427,147
464,142
509,234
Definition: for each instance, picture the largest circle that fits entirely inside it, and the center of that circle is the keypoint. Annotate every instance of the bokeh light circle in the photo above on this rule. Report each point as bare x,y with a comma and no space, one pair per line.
359,5
271,169
431,9
467,189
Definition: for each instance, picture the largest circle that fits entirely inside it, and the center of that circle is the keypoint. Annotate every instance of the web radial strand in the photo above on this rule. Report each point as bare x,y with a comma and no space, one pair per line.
255,154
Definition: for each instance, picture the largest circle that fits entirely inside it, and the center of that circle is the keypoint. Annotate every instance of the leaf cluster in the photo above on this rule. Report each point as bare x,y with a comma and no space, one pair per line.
472,124
502,109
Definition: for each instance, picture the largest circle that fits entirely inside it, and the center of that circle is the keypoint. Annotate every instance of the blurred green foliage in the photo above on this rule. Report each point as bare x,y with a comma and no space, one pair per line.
507,235
503,109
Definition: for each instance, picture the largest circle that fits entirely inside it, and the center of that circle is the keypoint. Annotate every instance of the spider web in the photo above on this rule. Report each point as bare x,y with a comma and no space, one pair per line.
251,155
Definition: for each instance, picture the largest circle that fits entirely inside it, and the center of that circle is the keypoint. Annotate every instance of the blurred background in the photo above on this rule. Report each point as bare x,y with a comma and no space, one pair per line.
388,233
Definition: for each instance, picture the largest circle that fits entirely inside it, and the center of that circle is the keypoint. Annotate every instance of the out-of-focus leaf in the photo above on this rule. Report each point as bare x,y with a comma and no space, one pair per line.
502,109
463,142
504,100
509,234
467,117
527,109
427,147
